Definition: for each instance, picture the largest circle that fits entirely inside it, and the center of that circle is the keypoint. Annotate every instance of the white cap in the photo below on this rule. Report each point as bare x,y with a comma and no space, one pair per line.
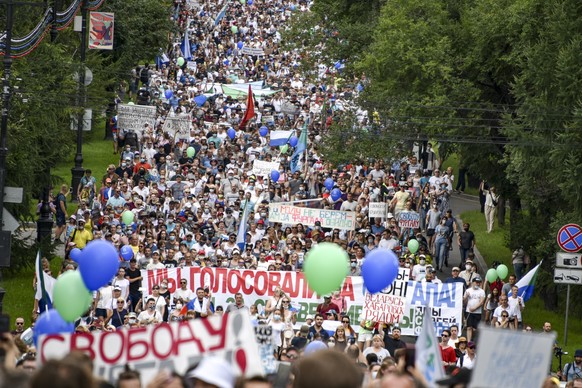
215,371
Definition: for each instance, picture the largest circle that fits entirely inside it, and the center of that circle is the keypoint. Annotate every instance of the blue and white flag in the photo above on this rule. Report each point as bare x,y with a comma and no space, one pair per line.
44,285
301,147
185,46
526,284
279,138
428,353
241,236
220,15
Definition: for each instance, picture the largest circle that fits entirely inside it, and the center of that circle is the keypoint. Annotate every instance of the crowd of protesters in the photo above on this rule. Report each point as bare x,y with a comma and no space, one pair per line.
187,210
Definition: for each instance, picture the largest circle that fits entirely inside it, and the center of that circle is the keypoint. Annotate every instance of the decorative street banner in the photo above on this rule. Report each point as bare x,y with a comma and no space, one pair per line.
258,286
377,209
175,346
178,126
409,220
262,168
101,30
252,51
445,299
334,219
135,117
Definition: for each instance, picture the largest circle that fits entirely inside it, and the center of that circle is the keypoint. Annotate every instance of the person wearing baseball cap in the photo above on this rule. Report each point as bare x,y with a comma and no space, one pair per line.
474,299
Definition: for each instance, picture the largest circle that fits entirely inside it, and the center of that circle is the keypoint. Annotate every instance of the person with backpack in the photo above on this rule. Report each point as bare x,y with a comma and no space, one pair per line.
144,76
573,370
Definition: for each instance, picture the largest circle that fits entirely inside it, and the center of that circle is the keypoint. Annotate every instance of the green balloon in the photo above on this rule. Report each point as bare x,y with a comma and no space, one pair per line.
413,246
502,271
325,268
491,275
234,29
127,217
71,297
130,103
284,148
180,61
190,151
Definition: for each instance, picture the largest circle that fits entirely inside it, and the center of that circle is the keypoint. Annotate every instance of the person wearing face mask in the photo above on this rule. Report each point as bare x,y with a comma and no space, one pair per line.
150,314
125,167
474,299
441,243
419,270
354,268
80,236
370,244
132,321
469,272
142,164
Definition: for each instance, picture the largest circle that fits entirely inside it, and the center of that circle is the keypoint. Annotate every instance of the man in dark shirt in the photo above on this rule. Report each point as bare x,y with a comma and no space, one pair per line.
133,274
317,328
466,241
393,342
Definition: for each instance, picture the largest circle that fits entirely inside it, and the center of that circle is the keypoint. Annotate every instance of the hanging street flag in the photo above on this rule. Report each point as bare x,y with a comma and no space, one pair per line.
101,30
250,112
526,284
44,286
428,353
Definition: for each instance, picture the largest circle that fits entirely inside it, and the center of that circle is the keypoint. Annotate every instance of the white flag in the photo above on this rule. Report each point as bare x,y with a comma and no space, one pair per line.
428,353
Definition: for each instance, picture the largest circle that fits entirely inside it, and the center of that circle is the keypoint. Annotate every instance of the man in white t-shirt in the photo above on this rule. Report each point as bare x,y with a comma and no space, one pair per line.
183,294
474,299
150,314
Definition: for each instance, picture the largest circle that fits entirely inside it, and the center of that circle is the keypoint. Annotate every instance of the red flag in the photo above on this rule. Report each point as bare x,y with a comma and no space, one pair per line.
184,310
250,113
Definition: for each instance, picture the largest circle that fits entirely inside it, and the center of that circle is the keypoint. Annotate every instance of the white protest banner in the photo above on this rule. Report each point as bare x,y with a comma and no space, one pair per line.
257,288
253,51
377,209
289,108
174,346
263,168
445,299
178,125
135,117
268,119
288,214
504,352
409,220
388,305
264,338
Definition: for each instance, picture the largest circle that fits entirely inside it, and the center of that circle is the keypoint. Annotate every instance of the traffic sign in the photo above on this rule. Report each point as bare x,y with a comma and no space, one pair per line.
568,260
570,238
10,223
567,276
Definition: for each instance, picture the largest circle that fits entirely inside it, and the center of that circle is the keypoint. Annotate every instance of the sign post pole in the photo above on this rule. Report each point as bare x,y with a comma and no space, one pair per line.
566,320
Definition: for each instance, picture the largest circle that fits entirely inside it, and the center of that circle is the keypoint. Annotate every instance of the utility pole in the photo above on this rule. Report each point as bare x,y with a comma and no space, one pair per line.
78,170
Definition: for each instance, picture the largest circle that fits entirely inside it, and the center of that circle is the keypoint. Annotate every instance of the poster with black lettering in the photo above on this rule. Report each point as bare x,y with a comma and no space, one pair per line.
264,337
175,346
388,305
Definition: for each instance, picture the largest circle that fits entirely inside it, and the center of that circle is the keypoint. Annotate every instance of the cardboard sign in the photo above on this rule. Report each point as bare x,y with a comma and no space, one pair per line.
334,219
178,125
252,51
173,346
262,168
409,220
383,308
504,352
264,338
377,209
135,117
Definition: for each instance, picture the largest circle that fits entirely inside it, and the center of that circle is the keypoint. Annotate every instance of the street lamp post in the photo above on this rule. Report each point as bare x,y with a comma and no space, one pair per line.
78,171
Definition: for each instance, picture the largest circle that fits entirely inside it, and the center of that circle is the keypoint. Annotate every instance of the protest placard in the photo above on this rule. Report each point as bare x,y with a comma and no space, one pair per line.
178,126
268,119
383,307
512,358
252,51
263,168
409,220
289,108
336,219
445,299
135,117
174,346
264,338
377,209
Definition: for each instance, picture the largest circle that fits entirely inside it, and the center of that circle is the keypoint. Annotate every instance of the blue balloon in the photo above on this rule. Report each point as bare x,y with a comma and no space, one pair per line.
76,254
293,140
329,184
292,7
231,132
336,194
126,252
168,93
379,270
200,100
275,175
263,131
99,264
240,45
314,346
51,322
250,2
226,62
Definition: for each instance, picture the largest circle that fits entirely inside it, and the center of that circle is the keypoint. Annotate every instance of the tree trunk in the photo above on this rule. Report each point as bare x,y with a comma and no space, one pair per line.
501,211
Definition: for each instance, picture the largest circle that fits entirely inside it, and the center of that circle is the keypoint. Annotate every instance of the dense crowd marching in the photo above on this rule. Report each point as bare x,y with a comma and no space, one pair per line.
187,209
